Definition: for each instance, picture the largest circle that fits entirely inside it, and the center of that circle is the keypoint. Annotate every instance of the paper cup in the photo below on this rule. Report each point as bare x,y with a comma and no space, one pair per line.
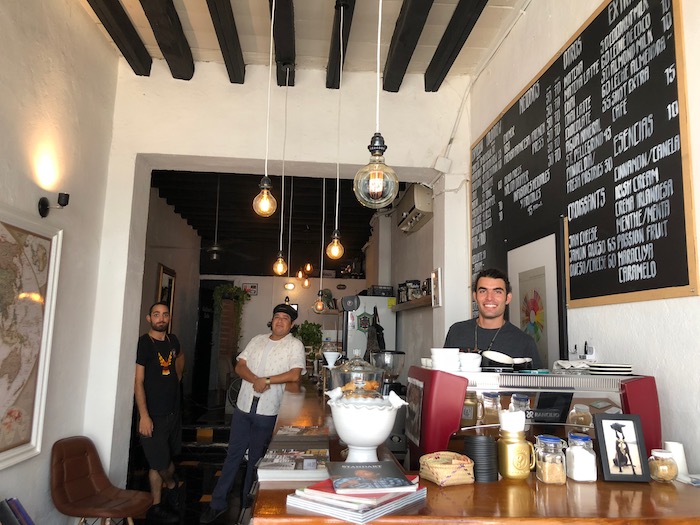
678,452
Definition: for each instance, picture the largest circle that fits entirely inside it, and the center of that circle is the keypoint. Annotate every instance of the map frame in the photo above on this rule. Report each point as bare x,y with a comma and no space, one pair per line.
53,237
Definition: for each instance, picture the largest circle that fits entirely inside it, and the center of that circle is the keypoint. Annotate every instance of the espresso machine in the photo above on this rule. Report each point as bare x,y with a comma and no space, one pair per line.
391,361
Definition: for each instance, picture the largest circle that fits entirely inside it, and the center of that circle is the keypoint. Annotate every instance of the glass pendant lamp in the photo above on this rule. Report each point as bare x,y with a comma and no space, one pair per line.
376,184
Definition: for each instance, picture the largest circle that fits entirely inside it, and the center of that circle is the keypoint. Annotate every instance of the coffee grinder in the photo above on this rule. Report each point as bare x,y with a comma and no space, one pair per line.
391,361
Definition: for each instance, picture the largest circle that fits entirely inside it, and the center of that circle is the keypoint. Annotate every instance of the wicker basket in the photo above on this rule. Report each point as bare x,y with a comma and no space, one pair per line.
447,468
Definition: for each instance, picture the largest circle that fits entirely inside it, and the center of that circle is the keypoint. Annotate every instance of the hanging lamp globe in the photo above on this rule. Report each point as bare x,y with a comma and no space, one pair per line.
335,249
376,184
306,283
308,268
280,265
319,305
264,203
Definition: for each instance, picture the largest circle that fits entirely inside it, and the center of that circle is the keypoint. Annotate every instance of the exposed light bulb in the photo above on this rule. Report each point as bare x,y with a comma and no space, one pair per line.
289,285
280,266
376,184
335,249
308,268
306,283
286,300
319,305
264,203
300,275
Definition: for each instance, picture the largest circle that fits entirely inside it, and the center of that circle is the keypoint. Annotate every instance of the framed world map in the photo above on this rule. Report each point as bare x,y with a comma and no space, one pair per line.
29,257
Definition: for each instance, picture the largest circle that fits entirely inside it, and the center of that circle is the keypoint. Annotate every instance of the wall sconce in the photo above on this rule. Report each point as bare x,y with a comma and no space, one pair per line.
44,204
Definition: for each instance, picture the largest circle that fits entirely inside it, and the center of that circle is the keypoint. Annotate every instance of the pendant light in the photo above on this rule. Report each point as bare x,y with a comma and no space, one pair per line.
308,268
319,305
215,249
306,283
335,249
288,285
376,184
264,203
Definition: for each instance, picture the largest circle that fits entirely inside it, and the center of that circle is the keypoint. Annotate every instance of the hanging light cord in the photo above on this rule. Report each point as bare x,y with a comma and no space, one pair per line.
289,234
269,87
379,41
323,238
340,83
284,155
216,226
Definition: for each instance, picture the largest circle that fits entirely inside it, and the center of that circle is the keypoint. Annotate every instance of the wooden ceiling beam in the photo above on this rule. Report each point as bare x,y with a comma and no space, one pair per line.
409,27
227,35
461,24
334,65
123,33
167,29
285,47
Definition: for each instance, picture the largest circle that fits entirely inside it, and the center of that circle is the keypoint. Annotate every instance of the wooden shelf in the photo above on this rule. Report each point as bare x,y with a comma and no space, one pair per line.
426,300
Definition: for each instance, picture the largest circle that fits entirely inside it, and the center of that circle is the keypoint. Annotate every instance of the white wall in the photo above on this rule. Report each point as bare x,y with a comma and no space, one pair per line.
658,338
57,88
172,242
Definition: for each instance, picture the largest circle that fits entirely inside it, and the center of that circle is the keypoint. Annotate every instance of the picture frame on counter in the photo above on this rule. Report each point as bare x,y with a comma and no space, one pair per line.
622,450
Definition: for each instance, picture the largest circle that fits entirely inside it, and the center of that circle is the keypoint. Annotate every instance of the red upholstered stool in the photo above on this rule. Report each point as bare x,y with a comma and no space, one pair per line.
80,487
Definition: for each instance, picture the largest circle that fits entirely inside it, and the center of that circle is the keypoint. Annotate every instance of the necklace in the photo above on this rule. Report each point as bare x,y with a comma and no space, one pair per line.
476,339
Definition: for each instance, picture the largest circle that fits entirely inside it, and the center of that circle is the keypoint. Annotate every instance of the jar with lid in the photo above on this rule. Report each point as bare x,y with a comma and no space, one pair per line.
492,404
358,379
550,460
662,466
580,458
519,402
472,410
580,417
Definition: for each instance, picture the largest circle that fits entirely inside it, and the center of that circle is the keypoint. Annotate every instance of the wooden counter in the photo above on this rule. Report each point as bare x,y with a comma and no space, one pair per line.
503,502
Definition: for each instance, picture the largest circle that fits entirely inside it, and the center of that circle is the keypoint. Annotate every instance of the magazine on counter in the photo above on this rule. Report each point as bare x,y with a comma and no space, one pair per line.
406,502
374,477
294,465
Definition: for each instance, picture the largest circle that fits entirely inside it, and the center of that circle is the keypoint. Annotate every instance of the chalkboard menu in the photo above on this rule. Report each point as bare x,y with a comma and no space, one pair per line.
596,140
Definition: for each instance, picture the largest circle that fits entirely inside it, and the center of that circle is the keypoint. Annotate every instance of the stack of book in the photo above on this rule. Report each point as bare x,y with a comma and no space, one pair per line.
361,492
288,464
12,512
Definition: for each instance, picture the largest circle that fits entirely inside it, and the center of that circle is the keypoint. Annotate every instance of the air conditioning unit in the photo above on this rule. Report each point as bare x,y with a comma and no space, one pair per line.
415,208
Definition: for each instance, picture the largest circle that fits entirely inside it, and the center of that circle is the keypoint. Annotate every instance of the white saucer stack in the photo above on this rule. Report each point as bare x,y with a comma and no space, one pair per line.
609,369
445,359
469,362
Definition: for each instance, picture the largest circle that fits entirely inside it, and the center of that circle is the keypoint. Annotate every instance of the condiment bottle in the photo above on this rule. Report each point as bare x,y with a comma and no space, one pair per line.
550,460
472,410
492,404
662,466
580,458
516,455
580,416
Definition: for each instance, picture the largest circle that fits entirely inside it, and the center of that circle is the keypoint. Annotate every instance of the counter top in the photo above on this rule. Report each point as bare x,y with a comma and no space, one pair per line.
502,502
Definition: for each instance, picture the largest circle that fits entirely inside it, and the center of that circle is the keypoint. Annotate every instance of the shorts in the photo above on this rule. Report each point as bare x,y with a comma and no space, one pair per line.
165,442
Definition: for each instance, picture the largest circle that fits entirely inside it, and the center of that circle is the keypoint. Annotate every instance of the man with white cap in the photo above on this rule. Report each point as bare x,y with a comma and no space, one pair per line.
266,365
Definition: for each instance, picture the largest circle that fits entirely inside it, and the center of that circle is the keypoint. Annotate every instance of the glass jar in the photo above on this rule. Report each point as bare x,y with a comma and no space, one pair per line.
519,402
550,460
580,458
358,379
492,404
580,417
472,410
662,466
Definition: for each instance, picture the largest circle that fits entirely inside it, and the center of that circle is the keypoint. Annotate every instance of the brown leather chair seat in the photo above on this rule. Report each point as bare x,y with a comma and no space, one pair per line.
80,487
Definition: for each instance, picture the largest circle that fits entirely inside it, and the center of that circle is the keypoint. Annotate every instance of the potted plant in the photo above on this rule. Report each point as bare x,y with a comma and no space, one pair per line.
311,335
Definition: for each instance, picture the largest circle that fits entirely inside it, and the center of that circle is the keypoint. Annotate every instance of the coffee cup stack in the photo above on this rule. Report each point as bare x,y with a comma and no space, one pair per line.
445,359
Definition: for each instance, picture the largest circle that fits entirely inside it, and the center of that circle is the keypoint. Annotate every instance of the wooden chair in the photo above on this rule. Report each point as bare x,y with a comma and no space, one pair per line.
80,487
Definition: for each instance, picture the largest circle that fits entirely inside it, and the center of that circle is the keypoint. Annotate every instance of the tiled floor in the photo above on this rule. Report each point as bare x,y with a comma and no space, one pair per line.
204,439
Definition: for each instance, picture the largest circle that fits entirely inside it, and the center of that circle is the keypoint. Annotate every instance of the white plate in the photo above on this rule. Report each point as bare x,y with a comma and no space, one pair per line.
609,365
609,373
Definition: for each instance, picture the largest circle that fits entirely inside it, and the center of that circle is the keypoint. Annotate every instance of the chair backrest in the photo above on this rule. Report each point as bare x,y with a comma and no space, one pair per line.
76,471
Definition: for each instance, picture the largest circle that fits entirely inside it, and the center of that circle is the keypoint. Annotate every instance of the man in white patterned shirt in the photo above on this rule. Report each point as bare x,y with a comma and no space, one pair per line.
266,365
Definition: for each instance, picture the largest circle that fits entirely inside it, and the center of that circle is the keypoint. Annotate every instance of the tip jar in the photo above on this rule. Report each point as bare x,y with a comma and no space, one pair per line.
662,466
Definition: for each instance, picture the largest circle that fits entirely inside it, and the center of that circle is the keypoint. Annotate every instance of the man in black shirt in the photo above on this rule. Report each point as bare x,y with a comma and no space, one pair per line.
159,367
489,330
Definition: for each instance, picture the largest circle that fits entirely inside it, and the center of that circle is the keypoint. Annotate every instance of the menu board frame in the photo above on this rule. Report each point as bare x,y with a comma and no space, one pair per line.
533,230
